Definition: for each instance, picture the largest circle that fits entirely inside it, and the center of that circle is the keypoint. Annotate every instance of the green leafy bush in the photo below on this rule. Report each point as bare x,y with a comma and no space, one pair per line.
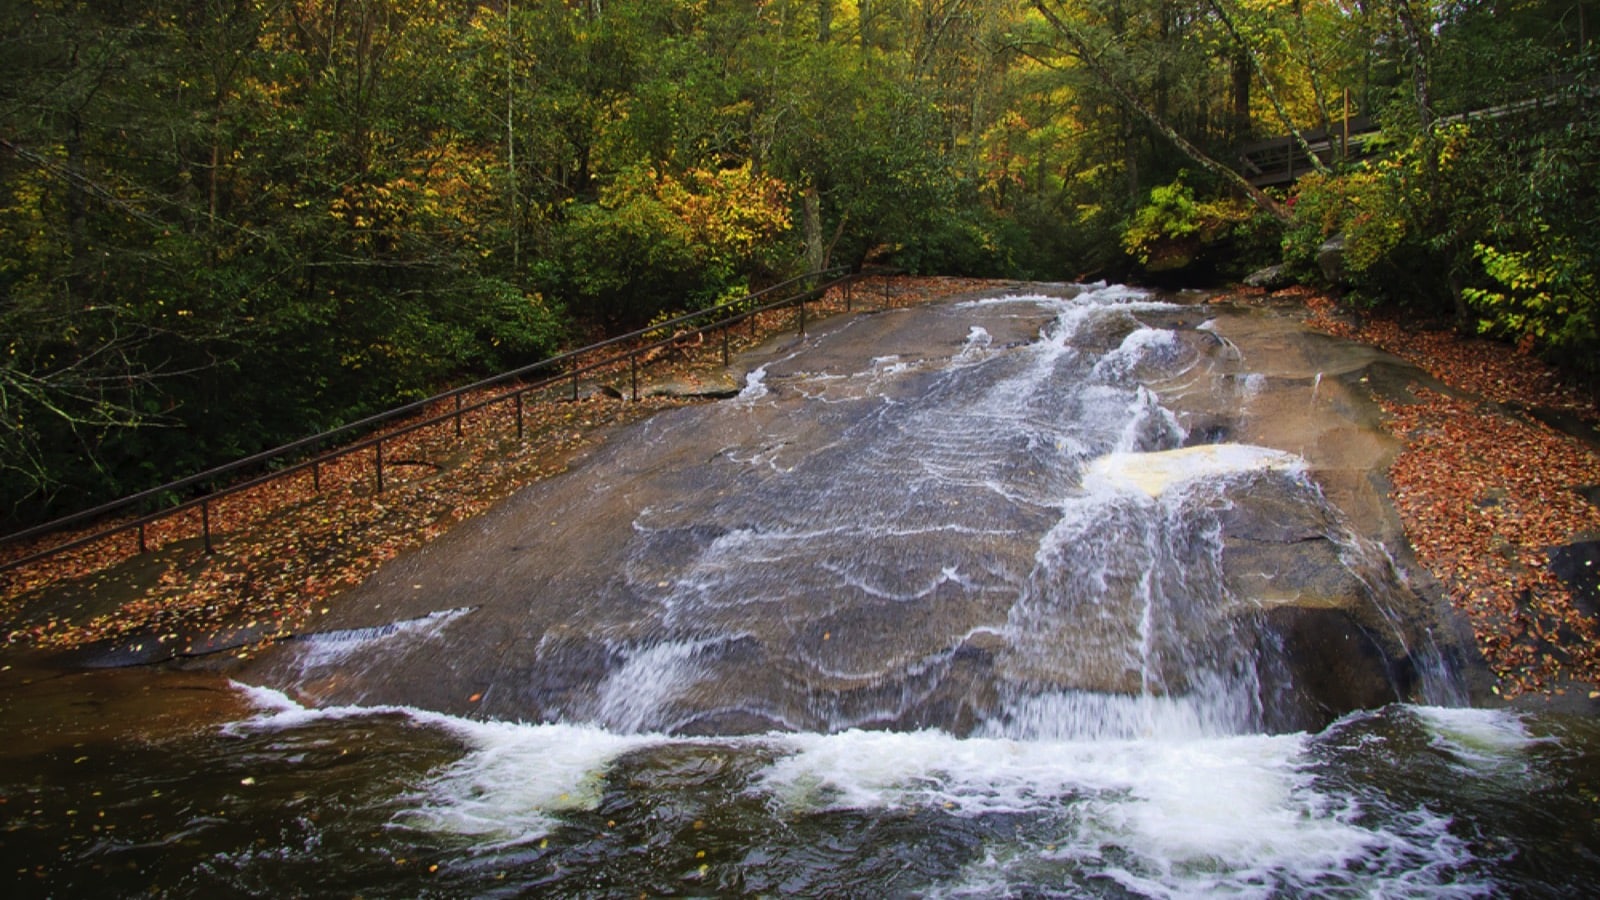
1548,296
1173,229
657,242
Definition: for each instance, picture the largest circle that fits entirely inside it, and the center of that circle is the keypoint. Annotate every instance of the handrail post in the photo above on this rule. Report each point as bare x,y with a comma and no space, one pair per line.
574,387
727,360
633,366
205,526
458,415
378,458
519,411
802,315
143,546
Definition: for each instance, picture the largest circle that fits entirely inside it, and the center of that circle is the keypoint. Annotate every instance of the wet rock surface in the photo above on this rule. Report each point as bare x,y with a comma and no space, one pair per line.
890,527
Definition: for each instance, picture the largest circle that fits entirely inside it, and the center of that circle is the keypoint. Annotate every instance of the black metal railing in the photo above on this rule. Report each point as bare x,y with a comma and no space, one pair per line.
122,516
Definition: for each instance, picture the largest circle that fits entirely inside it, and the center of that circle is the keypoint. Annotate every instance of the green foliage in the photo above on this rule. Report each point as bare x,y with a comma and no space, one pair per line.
226,226
1489,218
655,242
1546,297
1170,215
1537,240
1403,219
1363,207
1173,228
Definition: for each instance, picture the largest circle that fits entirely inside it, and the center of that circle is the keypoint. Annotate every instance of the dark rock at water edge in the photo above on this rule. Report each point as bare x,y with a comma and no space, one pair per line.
1578,566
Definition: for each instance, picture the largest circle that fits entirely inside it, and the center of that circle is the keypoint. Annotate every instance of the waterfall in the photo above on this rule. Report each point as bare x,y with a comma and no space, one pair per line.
1026,595
987,518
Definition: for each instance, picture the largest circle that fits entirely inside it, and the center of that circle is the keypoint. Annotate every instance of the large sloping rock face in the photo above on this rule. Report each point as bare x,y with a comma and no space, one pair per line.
980,517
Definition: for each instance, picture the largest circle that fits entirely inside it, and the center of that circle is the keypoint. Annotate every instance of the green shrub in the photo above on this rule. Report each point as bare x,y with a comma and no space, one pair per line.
655,242
1173,230
1547,296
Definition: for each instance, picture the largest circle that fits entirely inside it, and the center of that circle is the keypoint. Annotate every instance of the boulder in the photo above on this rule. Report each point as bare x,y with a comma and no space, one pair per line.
1323,664
1578,565
1317,607
1330,259
1271,278
695,386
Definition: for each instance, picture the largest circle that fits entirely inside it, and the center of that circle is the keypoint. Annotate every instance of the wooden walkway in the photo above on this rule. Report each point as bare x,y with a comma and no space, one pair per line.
1281,160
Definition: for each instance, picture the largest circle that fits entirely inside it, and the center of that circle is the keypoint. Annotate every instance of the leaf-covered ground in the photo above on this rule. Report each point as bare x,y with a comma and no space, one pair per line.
1482,491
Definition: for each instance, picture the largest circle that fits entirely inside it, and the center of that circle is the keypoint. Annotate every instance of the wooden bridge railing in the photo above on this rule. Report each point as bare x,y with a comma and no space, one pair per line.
1282,160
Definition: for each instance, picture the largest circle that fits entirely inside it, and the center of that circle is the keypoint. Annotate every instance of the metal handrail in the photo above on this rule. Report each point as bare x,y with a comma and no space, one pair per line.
738,311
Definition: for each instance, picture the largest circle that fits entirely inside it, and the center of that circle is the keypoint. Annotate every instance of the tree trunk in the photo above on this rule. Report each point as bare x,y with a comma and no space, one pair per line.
1421,57
1241,96
1314,68
80,280
816,253
513,202
1267,88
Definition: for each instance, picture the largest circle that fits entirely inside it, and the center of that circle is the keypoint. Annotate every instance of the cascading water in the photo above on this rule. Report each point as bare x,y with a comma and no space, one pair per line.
1006,537
1023,595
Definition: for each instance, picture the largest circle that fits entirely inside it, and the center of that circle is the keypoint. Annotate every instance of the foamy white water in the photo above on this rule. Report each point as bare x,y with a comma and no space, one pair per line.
1162,818
331,648
1155,472
1247,815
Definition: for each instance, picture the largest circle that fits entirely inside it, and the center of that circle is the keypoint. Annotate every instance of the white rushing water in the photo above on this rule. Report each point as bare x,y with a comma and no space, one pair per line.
1246,815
